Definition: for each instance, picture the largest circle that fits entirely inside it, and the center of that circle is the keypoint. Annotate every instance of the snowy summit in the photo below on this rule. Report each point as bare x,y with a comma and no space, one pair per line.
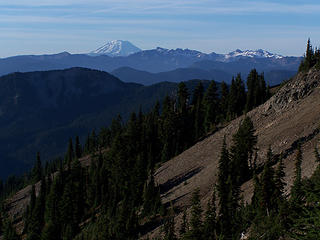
260,53
116,48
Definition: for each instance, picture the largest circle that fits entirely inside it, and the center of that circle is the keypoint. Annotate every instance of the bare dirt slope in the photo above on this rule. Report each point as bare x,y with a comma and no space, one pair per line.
291,115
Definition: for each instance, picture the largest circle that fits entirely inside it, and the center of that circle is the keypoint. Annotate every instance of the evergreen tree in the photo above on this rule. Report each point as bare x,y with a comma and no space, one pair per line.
184,226
224,101
182,101
267,184
252,84
183,126
9,232
279,181
244,142
296,191
237,98
168,130
198,114
168,226
70,154
209,226
78,150
37,169
224,189
49,232
195,231
211,106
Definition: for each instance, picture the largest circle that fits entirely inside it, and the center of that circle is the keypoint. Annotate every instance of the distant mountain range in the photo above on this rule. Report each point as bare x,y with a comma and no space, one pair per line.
174,65
40,111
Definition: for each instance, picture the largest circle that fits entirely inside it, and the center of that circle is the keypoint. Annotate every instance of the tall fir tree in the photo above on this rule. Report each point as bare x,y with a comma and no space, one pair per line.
296,191
211,106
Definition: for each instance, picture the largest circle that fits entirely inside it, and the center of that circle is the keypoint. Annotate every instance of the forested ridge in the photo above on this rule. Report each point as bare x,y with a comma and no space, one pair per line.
116,196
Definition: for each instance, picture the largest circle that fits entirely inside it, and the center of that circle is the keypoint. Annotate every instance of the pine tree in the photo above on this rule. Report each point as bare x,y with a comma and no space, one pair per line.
267,184
224,189
70,154
279,181
183,95
296,191
244,142
49,232
183,126
198,114
252,83
9,232
237,98
195,231
169,226
184,226
211,106
78,149
168,130
37,170
209,226
224,102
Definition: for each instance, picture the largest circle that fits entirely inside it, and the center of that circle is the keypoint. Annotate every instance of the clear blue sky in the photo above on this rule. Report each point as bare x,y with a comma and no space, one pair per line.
78,26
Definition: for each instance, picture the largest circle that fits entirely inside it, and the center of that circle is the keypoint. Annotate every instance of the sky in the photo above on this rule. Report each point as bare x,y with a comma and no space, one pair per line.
80,26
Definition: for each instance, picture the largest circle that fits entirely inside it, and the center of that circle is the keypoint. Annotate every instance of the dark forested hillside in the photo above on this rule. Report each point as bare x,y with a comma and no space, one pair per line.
127,74
41,110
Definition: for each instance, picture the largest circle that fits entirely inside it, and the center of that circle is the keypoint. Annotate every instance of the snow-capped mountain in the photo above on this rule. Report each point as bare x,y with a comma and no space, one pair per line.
116,48
198,56
260,53
179,52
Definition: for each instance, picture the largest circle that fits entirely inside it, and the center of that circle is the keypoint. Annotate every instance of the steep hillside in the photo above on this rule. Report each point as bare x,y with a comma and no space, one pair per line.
291,115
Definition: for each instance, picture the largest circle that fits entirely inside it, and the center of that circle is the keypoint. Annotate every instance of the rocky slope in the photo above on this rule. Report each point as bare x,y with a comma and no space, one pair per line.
291,115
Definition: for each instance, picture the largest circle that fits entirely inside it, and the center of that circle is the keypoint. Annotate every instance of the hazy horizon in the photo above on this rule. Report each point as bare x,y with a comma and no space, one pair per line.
53,26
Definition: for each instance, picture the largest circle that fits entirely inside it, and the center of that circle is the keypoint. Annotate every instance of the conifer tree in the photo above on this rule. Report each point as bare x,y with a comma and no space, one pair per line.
296,191
252,83
70,154
183,126
198,114
279,181
49,232
209,226
224,102
237,98
169,226
168,130
267,184
37,169
244,142
9,232
184,226
211,106
78,150
182,100
224,189
195,231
